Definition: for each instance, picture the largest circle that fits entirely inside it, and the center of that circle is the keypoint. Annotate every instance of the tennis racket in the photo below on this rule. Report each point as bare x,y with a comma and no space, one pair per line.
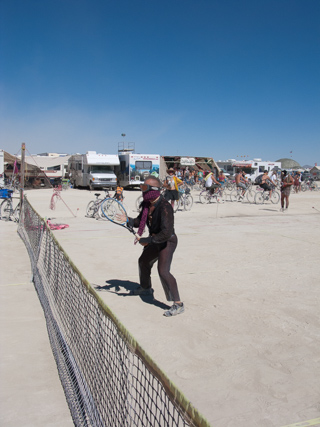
114,211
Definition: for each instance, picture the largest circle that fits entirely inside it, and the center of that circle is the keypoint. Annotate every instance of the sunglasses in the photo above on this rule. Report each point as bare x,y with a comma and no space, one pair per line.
147,187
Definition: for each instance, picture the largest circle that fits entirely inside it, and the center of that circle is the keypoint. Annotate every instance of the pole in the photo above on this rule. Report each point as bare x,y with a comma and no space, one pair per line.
22,166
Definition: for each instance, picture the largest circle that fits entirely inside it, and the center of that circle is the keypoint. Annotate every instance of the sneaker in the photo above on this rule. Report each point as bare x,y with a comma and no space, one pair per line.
174,310
142,291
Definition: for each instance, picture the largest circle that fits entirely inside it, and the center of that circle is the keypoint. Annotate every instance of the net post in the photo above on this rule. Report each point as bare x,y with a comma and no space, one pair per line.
23,155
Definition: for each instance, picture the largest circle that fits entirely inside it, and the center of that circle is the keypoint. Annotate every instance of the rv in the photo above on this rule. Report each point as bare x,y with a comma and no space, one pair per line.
1,168
252,168
134,168
93,170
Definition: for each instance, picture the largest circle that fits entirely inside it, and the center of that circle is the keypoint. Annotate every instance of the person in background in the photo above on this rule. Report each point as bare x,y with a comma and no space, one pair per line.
172,184
118,195
297,182
200,176
222,178
274,178
186,174
211,183
265,183
241,182
286,184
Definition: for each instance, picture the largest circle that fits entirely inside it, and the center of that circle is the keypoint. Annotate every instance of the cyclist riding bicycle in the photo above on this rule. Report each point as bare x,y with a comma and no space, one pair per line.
241,181
264,183
211,183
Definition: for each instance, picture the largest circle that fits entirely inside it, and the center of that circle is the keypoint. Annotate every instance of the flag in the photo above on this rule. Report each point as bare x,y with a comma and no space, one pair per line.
15,168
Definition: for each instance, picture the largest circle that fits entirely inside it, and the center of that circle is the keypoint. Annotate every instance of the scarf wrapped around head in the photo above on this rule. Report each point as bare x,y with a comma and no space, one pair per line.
148,197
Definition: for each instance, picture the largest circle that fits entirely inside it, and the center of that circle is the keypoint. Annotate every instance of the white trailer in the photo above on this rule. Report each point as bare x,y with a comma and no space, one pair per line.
252,168
93,170
134,168
1,168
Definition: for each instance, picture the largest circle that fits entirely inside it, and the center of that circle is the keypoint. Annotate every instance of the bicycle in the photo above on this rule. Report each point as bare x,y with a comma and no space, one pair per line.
198,186
93,208
207,197
237,196
185,200
309,185
7,211
230,185
263,196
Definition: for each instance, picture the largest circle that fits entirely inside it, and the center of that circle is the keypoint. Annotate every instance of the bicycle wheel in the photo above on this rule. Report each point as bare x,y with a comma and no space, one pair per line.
234,196
91,209
275,197
220,196
110,208
6,209
16,213
229,186
188,202
212,198
203,197
251,195
176,205
259,199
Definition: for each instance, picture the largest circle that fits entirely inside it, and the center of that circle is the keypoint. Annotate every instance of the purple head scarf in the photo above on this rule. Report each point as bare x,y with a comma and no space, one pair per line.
148,197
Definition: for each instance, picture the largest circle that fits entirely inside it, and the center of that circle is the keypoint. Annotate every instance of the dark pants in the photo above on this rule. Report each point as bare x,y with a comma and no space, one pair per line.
163,253
213,188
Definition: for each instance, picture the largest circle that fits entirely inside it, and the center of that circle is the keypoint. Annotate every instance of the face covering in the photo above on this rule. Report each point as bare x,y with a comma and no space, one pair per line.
148,197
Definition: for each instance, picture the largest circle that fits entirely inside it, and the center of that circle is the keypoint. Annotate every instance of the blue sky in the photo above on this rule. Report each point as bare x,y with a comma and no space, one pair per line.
181,77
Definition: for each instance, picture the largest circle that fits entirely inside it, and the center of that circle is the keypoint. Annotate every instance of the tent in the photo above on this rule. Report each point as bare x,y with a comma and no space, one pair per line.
33,176
181,162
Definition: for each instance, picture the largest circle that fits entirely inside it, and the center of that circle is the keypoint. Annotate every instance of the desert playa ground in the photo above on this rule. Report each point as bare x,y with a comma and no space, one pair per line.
246,350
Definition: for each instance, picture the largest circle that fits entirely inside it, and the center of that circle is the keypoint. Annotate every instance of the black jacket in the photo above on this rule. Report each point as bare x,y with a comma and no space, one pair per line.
161,227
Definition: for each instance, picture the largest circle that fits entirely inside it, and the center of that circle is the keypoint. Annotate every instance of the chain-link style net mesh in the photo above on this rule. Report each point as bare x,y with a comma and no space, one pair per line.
107,377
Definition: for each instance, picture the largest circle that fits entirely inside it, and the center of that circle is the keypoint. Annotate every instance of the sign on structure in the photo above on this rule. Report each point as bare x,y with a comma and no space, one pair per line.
187,161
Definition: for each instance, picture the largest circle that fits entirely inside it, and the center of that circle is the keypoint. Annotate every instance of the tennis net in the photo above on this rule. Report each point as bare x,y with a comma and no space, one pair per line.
108,379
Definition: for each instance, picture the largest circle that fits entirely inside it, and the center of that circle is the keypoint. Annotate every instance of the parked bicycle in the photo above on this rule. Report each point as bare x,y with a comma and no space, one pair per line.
7,211
309,185
185,201
94,206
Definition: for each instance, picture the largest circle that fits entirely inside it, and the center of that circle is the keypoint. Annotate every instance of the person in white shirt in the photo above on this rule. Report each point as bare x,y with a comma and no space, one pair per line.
211,183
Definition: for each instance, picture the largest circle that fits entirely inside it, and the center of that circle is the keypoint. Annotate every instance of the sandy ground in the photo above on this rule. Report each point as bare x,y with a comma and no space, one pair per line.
246,350
31,394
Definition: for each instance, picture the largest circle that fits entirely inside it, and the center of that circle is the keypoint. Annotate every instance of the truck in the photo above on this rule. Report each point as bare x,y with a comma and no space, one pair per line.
252,168
134,168
93,170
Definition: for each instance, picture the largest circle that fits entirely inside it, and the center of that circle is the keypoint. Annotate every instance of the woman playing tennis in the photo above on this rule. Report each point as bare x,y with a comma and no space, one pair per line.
159,246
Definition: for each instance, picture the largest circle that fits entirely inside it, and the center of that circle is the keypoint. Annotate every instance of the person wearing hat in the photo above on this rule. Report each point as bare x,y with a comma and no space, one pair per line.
157,215
172,184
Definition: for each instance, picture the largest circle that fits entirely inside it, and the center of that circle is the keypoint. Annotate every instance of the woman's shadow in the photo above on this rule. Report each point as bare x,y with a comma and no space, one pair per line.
115,286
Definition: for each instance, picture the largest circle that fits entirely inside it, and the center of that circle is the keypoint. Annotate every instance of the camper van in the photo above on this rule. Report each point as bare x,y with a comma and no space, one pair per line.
134,168
1,168
93,170
252,168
